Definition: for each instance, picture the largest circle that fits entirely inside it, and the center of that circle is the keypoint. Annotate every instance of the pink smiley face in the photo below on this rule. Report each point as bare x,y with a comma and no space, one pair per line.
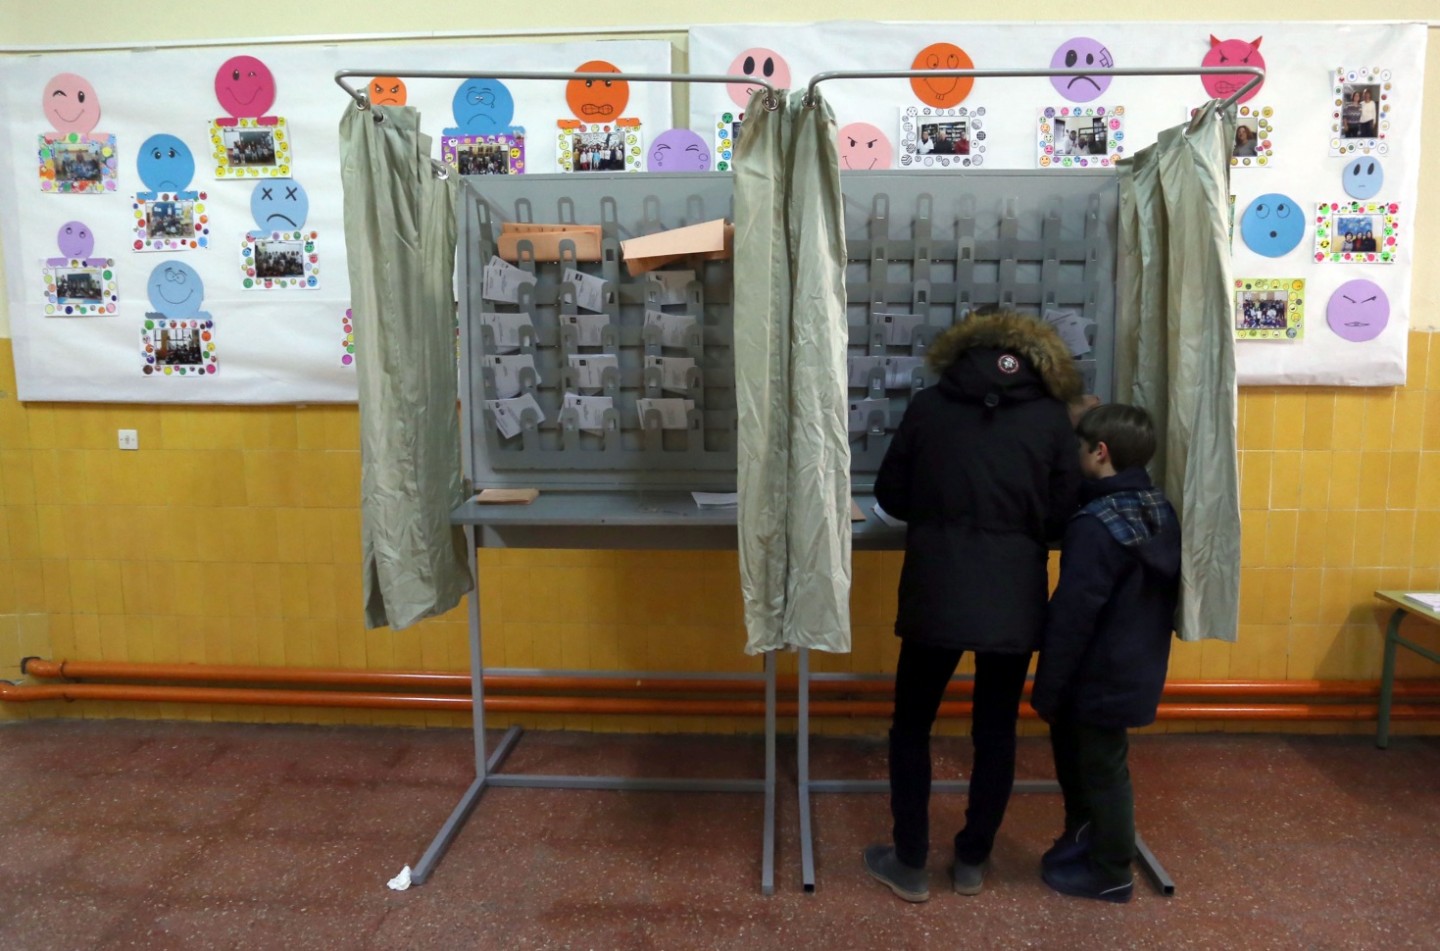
245,87
863,146
1232,53
761,63
70,103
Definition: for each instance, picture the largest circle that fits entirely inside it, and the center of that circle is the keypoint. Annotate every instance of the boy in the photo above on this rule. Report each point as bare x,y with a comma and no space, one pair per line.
1106,647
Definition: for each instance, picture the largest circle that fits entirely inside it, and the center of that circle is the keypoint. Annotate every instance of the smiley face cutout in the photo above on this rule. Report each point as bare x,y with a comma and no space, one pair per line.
1363,177
245,87
483,106
678,150
1358,310
597,100
942,91
165,164
1232,53
1272,225
175,290
761,63
1080,52
387,91
70,103
864,147
279,204
75,240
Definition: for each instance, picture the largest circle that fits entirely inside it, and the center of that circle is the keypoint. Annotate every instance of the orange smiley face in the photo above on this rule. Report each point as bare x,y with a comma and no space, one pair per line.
943,92
596,100
387,91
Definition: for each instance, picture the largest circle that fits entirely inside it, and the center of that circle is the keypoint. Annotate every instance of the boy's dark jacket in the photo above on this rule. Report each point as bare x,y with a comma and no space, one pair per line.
1107,638
984,469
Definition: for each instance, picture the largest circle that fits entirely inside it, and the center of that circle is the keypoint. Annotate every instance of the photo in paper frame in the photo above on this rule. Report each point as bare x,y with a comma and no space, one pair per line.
599,147
280,260
942,138
1269,308
1254,144
1360,120
175,221
251,149
476,154
77,163
178,347
1080,136
80,287
1360,232
727,138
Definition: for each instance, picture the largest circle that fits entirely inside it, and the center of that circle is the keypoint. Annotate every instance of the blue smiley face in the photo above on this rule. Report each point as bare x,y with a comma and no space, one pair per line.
175,290
279,204
1272,225
165,164
483,107
1363,177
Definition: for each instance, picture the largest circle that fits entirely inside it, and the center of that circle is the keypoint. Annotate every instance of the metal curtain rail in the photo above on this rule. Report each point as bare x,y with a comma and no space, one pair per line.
363,101
1256,73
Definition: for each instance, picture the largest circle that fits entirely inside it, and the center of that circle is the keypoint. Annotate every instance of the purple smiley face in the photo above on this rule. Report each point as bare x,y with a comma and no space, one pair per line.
679,150
1358,310
1080,52
75,240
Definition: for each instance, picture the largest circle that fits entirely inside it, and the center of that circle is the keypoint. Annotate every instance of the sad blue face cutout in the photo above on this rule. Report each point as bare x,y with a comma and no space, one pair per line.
1272,225
483,107
1363,177
165,164
175,290
279,204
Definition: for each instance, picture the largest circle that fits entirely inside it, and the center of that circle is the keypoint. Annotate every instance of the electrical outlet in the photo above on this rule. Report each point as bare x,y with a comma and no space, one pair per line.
129,439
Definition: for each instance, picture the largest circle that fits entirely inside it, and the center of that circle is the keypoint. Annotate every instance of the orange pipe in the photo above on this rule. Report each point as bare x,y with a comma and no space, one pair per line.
452,681
640,706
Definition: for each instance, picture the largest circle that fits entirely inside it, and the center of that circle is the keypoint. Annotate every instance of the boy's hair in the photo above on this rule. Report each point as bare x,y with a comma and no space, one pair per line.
1125,430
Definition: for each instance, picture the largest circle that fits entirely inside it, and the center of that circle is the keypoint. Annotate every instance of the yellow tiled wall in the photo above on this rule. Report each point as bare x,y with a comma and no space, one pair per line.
233,536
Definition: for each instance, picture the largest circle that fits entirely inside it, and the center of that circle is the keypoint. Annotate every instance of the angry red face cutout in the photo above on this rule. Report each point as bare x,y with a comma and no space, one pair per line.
597,100
388,91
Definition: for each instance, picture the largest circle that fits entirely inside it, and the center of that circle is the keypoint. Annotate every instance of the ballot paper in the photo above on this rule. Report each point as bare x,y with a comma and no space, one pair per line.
590,368
715,500
860,411
588,327
508,412
589,289
898,370
590,409
673,327
899,328
672,411
506,329
507,369
1071,325
673,372
672,285
503,280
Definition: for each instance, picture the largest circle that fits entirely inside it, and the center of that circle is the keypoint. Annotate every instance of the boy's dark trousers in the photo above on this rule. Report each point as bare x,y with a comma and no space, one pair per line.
920,680
1092,765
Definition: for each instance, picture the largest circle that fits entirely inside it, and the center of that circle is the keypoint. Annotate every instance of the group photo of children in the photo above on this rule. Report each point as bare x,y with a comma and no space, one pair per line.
169,219
487,158
178,346
943,138
279,259
78,163
598,152
250,147
1262,310
78,286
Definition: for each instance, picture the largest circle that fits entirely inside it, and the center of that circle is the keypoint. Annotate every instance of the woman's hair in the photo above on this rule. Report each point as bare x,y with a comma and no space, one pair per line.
1125,430
1242,128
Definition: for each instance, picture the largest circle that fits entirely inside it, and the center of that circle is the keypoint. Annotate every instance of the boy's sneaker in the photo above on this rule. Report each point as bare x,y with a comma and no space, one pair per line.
968,879
911,884
1079,878
1069,847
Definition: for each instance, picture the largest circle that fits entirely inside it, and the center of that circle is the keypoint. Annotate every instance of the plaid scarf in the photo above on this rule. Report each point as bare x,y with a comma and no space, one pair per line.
1133,515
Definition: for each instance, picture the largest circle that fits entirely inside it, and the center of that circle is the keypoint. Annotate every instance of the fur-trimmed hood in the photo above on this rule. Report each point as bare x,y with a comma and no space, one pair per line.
971,356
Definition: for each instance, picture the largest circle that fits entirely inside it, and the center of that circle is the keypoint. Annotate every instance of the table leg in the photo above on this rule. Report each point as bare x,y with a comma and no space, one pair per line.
1387,679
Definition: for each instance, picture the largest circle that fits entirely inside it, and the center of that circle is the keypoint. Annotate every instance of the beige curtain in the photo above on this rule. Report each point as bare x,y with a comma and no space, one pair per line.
1175,353
790,337
400,240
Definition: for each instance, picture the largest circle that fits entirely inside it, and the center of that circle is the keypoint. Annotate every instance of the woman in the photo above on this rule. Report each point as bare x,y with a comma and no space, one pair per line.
984,469
1244,142
1367,115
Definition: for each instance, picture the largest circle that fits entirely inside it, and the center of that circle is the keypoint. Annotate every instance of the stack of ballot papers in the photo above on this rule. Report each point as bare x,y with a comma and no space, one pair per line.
503,280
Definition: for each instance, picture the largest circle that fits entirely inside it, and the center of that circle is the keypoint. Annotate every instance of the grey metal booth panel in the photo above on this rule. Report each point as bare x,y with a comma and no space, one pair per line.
926,247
